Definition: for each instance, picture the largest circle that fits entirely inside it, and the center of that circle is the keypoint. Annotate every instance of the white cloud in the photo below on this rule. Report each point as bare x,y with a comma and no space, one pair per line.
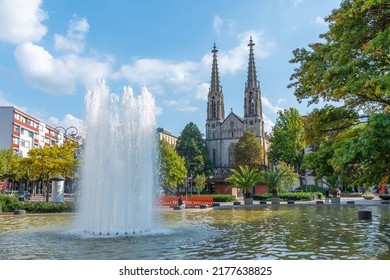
182,105
237,58
217,24
269,105
268,124
44,71
281,100
202,91
69,123
74,40
320,21
21,21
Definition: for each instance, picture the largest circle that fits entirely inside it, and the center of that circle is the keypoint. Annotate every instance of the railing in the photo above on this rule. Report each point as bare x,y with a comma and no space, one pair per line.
188,201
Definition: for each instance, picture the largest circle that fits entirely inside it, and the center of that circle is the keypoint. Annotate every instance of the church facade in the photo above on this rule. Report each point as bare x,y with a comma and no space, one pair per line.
223,133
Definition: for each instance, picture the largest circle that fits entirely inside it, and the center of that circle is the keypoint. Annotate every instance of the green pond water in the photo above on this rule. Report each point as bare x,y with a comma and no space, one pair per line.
271,232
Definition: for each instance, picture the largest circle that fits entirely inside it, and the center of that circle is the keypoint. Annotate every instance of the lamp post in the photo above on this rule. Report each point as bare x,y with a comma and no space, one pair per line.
73,130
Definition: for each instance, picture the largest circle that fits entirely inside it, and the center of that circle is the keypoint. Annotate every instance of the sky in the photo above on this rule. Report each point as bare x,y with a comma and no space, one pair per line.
53,51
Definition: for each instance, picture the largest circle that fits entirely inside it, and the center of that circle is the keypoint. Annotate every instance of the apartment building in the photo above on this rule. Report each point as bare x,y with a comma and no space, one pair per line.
22,132
167,136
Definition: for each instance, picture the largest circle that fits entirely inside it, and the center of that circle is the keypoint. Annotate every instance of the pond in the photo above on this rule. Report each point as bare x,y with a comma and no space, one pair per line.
286,232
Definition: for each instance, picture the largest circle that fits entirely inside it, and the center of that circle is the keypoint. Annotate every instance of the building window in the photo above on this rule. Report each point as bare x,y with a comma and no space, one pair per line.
214,156
17,128
22,143
15,140
41,127
27,144
30,134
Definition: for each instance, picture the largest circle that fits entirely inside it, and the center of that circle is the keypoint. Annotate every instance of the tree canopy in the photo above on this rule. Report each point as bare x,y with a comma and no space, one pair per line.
172,168
287,139
248,151
352,65
192,147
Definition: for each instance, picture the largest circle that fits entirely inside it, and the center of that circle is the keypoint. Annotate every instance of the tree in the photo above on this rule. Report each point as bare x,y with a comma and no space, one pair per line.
278,179
287,139
352,66
47,162
244,177
192,147
200,181
6,168
172,168
248,151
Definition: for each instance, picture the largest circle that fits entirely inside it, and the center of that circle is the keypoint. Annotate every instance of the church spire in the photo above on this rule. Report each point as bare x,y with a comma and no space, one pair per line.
252,76
215,84
215,106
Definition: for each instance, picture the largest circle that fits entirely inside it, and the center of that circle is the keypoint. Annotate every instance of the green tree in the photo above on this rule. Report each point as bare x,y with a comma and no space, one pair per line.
6,167
200,183
352,65
172,168
278,179
287,139
244,177
248,151
192,147
47,162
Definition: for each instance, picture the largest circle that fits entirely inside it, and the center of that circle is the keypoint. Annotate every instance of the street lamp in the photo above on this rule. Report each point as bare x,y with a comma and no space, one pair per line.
73,130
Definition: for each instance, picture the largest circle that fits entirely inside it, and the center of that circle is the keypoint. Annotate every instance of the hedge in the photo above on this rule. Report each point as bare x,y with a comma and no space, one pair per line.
291,196
223,197
11,203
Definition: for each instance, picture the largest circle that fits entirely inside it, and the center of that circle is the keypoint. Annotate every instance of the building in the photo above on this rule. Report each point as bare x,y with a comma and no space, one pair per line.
167,136
22,132
223,133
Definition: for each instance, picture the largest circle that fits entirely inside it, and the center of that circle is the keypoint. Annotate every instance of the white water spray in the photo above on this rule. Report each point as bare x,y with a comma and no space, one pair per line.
118,172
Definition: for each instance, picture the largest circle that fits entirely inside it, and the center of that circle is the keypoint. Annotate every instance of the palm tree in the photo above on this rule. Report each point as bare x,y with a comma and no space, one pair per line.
278,178
245,178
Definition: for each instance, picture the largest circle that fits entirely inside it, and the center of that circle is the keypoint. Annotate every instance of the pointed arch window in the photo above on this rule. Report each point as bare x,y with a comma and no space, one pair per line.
231,154
214,157
213,108
251,104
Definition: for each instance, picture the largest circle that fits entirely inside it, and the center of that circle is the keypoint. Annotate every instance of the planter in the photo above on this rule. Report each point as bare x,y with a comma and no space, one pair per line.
236,203
248,201
275,200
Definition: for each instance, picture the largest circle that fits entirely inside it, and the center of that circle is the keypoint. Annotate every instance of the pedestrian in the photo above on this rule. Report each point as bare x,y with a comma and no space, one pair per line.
327,192
180,200
338,191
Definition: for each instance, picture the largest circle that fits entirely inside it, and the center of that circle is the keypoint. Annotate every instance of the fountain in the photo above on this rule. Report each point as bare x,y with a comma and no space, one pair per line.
118,172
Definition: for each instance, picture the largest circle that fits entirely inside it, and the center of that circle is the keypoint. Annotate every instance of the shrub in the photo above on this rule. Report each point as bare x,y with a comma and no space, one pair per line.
311,188
384,196
47,207
291,196
368,196
223,197
9,202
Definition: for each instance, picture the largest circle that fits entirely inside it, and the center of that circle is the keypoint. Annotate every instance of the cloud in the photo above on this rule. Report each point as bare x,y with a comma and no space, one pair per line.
320,21
217,24
182,105
237,58
202,91
44,71
74,40
21,21
269,105
281,100
268,124
69,123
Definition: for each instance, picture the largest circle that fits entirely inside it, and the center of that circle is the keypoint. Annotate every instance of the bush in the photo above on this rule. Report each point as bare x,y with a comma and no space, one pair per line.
223,197
311,188
384,196
296,196
9,202
368,196
47,207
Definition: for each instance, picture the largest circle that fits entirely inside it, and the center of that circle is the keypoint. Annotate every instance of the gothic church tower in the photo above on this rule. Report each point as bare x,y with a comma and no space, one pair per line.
223,133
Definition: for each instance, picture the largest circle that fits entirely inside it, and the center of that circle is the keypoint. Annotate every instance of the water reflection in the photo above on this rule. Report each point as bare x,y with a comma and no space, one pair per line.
280,232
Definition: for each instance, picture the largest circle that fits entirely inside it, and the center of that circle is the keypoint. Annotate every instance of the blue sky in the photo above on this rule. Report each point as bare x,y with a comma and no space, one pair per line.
52,52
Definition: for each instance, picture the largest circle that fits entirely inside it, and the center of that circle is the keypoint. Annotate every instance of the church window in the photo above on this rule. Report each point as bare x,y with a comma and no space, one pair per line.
214,156
251,104
213,108
231,155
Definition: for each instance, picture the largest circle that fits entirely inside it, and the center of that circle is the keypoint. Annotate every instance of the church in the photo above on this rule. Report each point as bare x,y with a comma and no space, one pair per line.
223,133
